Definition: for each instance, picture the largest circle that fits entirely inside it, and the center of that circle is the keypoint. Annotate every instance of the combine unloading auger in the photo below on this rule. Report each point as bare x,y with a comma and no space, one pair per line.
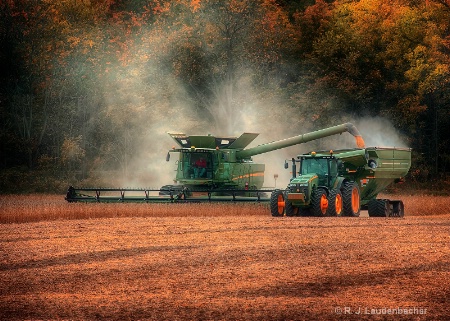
211,169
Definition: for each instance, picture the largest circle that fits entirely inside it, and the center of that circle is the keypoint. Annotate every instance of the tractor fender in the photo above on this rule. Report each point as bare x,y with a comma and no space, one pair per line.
339,182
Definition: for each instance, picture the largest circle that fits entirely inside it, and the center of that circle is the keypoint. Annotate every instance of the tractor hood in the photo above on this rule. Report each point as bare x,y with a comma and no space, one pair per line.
304,180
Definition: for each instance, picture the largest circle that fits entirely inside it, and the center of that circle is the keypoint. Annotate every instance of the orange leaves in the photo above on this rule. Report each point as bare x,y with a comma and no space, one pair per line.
195,5
89,42
73,41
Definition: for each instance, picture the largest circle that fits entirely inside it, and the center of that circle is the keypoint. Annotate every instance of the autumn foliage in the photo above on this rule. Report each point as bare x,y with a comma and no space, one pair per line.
84,82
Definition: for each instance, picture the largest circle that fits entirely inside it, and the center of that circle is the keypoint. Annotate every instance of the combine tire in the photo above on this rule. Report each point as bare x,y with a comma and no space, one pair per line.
351,199
319,202
335,205
378,208
277,203
290,209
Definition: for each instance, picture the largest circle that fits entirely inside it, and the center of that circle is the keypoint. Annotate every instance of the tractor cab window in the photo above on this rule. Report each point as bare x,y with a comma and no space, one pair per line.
317,166
197,165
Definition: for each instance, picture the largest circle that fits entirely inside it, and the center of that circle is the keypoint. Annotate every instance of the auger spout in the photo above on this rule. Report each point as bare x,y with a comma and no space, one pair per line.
304,138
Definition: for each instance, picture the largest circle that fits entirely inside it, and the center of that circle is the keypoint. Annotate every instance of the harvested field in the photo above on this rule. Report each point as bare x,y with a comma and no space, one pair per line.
226,265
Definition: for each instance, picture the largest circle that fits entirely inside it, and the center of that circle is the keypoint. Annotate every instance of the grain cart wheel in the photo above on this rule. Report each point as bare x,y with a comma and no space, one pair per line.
319,202
398,209
351,199
290,209
335,205
277,204
378,208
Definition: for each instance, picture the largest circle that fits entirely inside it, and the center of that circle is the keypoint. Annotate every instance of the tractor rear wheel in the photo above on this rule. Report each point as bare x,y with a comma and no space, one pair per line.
277,203
351,199
335,204
319,202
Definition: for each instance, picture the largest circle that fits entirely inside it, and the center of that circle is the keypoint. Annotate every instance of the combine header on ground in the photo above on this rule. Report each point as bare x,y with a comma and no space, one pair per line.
210,169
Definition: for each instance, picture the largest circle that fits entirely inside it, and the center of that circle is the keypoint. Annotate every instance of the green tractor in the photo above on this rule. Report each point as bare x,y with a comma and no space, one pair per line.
342,182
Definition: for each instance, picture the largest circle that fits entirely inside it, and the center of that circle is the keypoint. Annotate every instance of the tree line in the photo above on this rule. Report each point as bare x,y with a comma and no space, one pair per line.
84,80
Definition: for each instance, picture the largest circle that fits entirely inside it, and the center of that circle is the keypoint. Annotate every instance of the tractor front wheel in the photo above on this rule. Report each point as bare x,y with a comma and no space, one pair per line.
319,202
277,203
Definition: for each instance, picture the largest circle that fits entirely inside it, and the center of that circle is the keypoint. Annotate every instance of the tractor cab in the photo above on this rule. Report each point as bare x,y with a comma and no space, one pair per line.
325,167
315,170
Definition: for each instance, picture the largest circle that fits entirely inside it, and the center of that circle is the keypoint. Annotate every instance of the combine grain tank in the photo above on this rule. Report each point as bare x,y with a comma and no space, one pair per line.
342,182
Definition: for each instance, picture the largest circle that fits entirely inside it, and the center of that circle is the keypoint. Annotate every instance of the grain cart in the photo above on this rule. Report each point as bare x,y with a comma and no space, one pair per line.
342,182
211,168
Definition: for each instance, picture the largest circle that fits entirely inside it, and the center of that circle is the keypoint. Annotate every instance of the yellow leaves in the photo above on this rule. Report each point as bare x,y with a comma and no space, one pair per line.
418,61
428,73
437,78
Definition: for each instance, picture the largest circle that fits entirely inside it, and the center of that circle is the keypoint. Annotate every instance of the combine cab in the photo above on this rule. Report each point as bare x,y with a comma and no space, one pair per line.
209,169
341,183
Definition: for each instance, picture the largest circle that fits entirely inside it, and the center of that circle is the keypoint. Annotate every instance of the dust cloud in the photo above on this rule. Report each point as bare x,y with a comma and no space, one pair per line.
257,114
147,101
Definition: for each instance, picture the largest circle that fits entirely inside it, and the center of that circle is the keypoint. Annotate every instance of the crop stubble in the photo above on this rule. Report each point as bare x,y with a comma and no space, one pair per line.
248,267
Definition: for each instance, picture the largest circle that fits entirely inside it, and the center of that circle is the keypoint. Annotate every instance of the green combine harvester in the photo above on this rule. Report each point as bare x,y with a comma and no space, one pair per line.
342,182
210,169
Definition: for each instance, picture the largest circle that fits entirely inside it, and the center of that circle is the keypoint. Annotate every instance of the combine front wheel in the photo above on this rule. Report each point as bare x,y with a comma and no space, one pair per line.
319,202
351,199
277,203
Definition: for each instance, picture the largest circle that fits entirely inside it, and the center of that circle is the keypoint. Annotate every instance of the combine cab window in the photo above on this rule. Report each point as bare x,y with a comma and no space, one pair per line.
196,165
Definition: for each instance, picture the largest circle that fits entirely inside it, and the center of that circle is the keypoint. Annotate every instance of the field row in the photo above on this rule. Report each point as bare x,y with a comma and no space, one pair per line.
35,208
